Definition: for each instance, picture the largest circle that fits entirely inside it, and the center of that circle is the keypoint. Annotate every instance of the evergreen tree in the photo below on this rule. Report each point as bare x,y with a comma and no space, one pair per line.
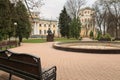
75,28
23,28
10,29
5,19
64,23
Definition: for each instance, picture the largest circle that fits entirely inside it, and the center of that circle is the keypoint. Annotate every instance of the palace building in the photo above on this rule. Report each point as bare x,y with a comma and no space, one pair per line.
87,18
41,26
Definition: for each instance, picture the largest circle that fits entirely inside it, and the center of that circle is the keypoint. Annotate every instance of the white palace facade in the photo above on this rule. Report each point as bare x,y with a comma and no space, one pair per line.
87,18
41,26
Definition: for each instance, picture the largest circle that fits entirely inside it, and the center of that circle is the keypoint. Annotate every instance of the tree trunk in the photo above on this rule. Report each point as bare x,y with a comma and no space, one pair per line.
20,40
104,29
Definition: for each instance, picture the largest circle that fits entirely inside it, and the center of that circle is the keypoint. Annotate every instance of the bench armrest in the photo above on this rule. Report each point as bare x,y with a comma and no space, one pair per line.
49,74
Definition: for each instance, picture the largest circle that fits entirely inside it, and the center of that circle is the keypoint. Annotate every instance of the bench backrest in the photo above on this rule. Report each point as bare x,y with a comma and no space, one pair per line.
11,42
21,63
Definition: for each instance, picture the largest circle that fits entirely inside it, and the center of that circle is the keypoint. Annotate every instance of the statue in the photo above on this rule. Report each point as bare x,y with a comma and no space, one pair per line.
50,36
49,32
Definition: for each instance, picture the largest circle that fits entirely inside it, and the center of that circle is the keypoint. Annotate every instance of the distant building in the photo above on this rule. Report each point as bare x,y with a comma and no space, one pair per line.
87,18
40,26
45,24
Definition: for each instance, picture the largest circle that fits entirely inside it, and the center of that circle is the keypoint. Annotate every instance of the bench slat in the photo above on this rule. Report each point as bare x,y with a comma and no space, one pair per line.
25,66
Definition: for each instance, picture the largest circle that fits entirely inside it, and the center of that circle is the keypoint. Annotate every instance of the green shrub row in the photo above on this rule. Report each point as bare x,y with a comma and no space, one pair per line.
105,37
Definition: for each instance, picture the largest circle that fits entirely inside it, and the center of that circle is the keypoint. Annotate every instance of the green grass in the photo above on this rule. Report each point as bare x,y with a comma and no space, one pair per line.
34,40
7,47
44,40
65,39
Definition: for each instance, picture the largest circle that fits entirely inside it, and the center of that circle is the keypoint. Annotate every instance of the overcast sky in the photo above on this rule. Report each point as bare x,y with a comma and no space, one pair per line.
52,8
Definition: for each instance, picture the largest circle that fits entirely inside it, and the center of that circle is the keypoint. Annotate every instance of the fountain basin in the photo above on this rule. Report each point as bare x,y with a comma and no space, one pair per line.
89,46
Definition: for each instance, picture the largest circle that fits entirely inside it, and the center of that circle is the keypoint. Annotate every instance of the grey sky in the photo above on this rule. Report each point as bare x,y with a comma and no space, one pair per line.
52,8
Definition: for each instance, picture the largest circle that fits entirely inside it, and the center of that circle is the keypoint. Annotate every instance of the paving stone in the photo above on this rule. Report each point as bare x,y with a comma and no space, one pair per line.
72,65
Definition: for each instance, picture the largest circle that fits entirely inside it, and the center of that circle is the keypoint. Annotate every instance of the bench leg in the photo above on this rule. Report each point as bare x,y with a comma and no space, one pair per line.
10,76
55,77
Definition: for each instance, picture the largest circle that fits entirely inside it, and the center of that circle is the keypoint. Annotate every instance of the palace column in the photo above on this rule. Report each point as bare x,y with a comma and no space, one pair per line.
36,28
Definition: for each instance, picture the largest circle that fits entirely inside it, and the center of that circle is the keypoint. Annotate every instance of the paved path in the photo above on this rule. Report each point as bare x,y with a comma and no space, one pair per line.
86,39
72,65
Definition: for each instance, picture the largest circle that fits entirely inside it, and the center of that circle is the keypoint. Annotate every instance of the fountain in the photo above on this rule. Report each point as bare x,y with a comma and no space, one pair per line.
89,46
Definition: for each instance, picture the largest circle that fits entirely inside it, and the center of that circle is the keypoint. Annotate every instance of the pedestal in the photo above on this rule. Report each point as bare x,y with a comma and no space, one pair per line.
50,38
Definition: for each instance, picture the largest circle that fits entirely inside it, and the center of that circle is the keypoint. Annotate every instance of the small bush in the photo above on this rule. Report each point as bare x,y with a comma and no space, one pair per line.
106,37
91,34
80,38
99,35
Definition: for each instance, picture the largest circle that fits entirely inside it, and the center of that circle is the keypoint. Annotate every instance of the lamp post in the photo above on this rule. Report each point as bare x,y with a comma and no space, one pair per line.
15,26
117,32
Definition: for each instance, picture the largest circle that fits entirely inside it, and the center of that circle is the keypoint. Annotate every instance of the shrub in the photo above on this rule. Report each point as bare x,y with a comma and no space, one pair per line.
106,37
1,37
99,35
91,34
80,38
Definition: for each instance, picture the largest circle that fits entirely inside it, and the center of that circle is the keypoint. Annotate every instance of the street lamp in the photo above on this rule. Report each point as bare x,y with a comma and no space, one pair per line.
117,31
117,27
15,25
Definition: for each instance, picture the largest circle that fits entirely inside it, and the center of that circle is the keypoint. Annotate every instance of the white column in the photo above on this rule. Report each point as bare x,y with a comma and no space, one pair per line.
36,29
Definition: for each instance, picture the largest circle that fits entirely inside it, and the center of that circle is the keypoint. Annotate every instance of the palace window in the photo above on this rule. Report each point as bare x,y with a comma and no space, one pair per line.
80,14
53,25
44,31
40,25
44,25
82,20
88,12
40,31
49,25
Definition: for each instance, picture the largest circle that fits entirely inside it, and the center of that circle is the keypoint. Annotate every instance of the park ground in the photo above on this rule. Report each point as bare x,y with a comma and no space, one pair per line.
72,65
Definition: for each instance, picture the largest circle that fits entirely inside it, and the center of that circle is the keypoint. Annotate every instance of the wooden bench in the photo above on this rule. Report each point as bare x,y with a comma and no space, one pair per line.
3,44
25,66
8,44
12,43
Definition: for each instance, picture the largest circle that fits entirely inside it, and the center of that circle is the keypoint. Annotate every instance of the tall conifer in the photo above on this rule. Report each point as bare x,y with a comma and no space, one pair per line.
64,23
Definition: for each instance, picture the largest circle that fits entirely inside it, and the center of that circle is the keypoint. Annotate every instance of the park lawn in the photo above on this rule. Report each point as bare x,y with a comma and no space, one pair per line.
44,40
66,40
34,40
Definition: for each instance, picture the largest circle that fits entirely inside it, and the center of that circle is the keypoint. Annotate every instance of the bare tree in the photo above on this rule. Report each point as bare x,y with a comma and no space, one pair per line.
35,4
100,11
110,25
107,15
114,9
73,7
32,4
